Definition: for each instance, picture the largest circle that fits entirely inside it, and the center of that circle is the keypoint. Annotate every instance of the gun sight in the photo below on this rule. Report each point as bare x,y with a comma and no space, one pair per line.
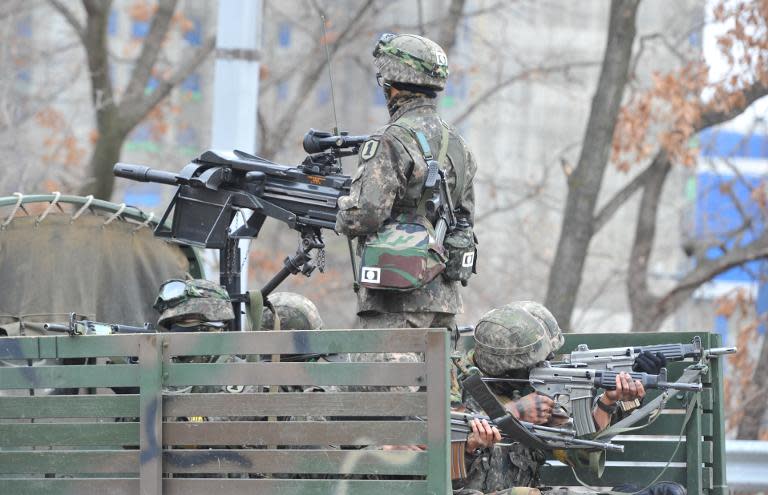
319,141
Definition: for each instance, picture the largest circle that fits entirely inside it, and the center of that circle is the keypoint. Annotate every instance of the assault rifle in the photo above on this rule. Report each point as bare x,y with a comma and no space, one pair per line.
218,185
80,325
574,388
439,206
623,358
555,438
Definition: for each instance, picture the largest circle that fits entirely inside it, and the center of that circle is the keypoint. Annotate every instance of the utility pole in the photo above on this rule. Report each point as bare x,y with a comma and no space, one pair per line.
235,103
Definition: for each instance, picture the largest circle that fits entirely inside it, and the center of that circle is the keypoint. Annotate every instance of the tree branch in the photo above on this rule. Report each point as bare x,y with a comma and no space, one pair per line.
707,270
76,25
150,51
622,196
751,94
447,35
273,140
520,76
132,115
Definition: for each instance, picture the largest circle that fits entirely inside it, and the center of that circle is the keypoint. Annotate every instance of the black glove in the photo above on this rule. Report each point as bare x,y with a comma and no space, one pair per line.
649,363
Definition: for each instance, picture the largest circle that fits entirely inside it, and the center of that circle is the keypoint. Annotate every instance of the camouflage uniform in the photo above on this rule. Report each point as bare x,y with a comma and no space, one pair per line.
496,469
391,174
515,336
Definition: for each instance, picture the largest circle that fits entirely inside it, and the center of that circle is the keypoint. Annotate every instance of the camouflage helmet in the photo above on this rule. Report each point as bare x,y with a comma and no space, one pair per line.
296,312
515,336
193,301
411,59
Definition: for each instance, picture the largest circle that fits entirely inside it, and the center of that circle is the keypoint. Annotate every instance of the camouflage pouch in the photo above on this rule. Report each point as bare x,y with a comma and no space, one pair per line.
461,251
402,256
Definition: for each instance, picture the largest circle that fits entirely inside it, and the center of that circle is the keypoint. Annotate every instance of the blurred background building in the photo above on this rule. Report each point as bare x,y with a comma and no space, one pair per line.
522,77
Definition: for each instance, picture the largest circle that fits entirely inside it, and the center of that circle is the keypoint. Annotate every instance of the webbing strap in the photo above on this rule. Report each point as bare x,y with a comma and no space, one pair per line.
406,123
596,464
692,405
255,308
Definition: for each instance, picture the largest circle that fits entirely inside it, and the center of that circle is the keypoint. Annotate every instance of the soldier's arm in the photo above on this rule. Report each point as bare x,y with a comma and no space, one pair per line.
380,178
465,207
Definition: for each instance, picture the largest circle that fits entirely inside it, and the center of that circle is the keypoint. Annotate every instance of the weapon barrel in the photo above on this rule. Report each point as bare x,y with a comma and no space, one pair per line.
147,328
607,380
607,446
55,327
141,173
673,352
463,418
686,387
719,351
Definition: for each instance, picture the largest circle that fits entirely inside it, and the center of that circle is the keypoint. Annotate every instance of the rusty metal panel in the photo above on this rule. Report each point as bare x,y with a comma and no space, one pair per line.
296,374
72,376
292,487
319,433
297,404
297,342
69,486
70,406
68,434
151,420
396,462
69,461
438,403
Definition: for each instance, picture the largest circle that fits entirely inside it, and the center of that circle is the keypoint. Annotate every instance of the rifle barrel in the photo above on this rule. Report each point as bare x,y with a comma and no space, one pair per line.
141,173
55,327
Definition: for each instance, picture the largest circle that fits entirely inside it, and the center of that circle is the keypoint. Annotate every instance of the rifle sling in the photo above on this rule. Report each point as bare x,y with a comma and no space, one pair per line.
406,123
507,423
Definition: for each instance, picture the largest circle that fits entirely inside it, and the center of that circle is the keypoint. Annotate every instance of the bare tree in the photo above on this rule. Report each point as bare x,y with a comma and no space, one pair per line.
586,179
115,119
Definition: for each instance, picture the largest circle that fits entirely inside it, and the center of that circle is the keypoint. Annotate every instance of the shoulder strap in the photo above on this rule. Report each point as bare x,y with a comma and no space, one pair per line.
459,166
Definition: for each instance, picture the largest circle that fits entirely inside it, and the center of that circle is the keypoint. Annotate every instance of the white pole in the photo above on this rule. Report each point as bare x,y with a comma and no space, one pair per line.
236,89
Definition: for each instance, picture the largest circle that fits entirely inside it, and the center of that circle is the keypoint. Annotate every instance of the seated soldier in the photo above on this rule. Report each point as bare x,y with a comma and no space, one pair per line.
508,341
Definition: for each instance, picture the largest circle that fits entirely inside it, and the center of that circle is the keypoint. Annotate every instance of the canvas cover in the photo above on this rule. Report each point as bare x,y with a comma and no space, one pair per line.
109,272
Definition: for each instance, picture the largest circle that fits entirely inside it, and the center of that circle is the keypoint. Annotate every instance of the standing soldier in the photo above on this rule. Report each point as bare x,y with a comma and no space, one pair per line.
388,188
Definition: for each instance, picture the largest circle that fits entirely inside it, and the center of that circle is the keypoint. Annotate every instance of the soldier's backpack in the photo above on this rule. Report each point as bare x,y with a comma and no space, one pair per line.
405,253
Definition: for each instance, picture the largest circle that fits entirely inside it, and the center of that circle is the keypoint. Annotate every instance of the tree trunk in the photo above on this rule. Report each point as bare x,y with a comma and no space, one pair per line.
585,181
754,406
106,153
641,301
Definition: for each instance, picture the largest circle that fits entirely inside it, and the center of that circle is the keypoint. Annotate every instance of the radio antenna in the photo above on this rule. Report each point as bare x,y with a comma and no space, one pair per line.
330,77
355,283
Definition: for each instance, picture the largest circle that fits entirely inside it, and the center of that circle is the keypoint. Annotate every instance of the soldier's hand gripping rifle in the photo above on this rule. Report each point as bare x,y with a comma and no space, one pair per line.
623,358
574,388
218,185
79,325
518,431
555,438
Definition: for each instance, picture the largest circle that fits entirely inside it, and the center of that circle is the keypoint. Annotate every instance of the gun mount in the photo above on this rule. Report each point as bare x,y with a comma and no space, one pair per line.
219,185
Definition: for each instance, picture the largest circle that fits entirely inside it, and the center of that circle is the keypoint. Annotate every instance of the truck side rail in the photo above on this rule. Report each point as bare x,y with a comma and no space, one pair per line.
149,443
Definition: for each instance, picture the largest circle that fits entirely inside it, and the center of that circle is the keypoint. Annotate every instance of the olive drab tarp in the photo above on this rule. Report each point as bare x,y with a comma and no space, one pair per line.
107,270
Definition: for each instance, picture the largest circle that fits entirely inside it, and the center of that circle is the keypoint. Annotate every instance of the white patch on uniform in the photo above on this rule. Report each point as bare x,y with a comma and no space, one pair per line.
468,260
369,149
370,275
441,58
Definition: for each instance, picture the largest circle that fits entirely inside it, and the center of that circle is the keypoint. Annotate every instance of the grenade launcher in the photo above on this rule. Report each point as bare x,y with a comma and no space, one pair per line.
218,185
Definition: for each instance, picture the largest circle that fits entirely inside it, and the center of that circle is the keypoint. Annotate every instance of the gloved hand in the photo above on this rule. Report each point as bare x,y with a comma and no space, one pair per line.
649,363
